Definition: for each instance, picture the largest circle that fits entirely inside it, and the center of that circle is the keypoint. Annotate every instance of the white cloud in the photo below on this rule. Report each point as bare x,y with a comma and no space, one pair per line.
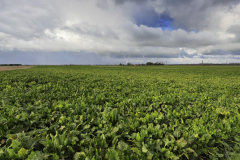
108,28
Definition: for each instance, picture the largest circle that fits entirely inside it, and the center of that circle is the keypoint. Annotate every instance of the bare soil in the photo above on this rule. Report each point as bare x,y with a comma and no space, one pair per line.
5,68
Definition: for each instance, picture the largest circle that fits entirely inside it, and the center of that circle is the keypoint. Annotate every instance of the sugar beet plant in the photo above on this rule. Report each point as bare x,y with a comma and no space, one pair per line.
120,112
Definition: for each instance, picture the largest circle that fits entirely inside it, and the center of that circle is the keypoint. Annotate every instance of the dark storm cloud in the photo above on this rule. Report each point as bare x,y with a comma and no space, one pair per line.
224,2
235,53
149,17
146,16
120,2
179,2
192,14
186,14
218,52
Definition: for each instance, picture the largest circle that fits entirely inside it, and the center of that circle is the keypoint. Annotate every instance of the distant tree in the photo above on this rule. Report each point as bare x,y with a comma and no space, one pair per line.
129,64
149,63
159,63
120,64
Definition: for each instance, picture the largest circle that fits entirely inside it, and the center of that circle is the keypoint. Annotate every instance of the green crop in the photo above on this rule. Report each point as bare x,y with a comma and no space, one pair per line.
120,112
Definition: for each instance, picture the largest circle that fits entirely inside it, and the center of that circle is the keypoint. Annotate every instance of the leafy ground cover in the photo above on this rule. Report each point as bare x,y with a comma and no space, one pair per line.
120,112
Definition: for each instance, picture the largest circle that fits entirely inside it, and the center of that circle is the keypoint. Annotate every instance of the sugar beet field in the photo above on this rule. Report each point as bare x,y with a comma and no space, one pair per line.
120,112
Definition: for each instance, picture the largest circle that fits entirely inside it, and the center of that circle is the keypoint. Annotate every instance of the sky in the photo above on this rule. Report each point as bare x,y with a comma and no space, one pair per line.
119,31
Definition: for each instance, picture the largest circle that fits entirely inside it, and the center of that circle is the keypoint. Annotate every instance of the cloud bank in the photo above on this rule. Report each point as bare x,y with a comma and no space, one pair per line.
122,30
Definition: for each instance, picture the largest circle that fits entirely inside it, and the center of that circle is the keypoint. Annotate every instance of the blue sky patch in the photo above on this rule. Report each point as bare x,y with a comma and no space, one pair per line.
150,18
195,31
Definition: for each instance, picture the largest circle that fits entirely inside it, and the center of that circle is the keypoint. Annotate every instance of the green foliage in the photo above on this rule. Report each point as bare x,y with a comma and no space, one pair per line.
113,112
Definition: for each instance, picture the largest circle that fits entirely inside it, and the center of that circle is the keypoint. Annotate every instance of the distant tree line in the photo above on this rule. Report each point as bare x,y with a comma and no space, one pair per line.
10,64
235,63
148,63
157,63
